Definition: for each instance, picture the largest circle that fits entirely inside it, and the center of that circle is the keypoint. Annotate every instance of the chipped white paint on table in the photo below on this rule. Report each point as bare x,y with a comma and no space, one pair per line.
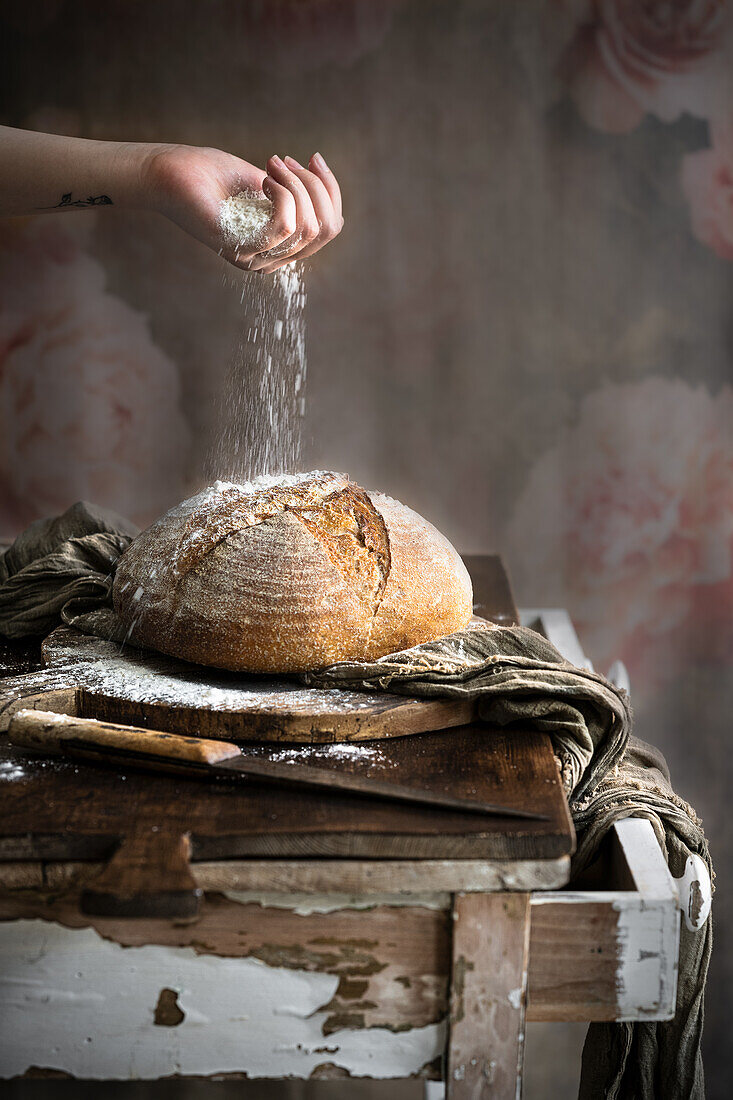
91,1006
286,974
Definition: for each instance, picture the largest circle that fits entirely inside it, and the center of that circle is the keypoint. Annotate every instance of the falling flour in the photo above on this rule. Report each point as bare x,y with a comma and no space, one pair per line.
259,416
243,218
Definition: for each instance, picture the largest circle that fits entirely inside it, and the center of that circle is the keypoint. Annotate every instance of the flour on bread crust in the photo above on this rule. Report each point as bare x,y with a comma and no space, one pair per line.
291,574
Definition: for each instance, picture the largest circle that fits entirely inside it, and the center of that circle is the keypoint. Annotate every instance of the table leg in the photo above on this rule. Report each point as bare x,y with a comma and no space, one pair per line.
488,996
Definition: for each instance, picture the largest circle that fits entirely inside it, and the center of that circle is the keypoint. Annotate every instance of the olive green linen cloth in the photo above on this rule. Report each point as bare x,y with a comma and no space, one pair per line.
61,570
645,1060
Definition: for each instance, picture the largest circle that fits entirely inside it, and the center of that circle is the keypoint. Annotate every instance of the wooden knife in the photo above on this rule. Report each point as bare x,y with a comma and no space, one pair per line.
108,743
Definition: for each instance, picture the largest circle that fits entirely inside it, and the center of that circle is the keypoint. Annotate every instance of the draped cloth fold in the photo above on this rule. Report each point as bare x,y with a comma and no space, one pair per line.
61,570
515,676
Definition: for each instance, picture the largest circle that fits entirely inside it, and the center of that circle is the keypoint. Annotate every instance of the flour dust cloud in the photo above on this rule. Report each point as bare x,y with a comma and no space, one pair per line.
258,425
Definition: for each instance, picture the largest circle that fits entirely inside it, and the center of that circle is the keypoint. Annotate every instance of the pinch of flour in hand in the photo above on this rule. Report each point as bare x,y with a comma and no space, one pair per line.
243,218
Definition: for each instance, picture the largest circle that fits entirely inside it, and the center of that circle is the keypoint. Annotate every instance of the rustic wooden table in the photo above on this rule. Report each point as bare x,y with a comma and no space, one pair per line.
154,926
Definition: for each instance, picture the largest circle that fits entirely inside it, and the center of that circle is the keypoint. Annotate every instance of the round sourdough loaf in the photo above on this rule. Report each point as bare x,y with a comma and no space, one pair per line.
290,574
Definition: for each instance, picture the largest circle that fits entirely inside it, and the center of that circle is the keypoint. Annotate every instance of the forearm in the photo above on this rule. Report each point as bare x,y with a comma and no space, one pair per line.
186,184
45,172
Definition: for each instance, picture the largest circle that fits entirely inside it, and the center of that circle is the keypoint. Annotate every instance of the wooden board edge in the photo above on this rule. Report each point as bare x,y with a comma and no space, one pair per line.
319,876
585,957
389,847
402,718
606,955
15,696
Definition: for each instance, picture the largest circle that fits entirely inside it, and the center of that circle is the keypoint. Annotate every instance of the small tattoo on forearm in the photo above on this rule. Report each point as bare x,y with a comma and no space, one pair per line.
92,200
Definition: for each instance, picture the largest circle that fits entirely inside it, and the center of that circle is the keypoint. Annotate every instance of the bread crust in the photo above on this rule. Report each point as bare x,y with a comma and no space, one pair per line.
290,577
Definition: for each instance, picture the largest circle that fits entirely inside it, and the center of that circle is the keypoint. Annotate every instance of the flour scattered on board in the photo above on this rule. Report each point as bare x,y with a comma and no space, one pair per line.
125,677
133,675
9,771
338,752
12,771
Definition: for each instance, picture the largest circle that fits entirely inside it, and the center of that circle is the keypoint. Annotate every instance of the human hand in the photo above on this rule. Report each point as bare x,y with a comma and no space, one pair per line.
188,184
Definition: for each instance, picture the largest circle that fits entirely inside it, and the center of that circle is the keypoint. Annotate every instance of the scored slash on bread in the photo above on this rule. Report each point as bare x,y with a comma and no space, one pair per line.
290,574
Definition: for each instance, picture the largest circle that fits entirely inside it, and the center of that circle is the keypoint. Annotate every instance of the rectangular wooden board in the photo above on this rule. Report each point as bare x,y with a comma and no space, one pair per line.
77,811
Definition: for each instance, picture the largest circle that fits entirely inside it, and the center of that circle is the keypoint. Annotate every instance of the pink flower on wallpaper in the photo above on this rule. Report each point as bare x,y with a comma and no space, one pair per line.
707,181
89,406
664,57
629,521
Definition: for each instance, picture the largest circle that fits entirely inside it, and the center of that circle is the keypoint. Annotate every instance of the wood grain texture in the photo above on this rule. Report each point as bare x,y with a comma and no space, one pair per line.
382,717
142,688
490,957
493,597
47,732
315,876
111,745
576,945
574,958
19,656
392,963
148,876
55,809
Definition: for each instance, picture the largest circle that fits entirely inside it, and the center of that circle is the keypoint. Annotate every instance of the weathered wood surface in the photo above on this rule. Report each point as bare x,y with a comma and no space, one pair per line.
259,991
599,955
581,956
19,657
488,996
392,962
148,876
396,877
58,810
416,938
87,740
52,734
492,590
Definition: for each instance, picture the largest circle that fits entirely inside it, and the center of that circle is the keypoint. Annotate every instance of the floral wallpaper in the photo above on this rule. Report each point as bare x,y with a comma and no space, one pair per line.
641,533
524,330
627,59
89,405
634,503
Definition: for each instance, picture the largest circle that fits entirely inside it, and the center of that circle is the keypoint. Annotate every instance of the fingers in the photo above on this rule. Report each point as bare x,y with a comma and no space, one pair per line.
317,200
319,168
280,228
306,223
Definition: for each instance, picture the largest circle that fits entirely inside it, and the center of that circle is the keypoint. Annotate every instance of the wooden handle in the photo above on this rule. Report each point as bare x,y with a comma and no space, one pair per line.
60,735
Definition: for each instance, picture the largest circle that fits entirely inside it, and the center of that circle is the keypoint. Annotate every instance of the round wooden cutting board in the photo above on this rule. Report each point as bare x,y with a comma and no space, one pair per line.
89,677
